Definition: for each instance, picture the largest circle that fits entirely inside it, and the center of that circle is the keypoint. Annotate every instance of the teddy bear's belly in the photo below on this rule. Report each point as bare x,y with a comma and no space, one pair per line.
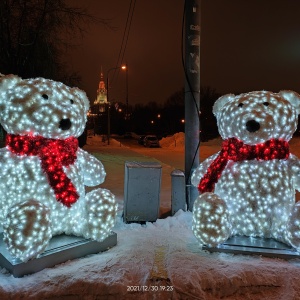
23,179
259,196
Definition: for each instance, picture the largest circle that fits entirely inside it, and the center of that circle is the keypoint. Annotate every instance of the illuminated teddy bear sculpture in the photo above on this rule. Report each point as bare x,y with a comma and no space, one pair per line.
43,173
248,188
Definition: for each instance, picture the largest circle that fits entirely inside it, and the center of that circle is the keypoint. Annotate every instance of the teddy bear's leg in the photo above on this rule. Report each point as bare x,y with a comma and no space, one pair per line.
27,229
100,216
211,224
293,227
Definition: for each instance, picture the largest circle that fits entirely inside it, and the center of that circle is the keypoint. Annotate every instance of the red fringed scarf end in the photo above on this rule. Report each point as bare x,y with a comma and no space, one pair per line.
235,150
54,154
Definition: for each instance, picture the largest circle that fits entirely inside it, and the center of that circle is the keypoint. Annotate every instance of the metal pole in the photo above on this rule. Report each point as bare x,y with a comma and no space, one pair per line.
107,98
126,114
108,106
108,122
192,95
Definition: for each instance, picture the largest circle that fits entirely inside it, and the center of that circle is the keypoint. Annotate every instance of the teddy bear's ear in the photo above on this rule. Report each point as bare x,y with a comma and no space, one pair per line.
292,97
82,95
219,104
7,82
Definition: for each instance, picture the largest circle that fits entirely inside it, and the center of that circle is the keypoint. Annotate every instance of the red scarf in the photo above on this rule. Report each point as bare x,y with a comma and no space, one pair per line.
235,150
54,154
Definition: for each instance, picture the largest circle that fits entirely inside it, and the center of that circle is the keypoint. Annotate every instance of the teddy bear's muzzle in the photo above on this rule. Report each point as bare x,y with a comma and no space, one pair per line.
65,124
252,126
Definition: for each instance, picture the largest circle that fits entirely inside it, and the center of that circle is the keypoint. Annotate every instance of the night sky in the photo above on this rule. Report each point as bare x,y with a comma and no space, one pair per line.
245,46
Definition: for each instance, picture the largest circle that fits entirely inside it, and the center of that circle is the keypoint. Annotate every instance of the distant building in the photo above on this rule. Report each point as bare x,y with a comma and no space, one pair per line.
101,99
98,117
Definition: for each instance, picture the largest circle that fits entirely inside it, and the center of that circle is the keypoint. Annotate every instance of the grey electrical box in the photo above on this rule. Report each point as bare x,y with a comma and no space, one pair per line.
178,195
141,191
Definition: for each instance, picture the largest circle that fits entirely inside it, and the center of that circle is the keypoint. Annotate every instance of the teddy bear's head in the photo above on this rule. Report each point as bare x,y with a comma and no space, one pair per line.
42,107
258,116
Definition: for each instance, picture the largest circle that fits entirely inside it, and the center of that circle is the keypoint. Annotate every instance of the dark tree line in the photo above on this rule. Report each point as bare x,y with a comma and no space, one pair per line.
167,118
35,37
208,122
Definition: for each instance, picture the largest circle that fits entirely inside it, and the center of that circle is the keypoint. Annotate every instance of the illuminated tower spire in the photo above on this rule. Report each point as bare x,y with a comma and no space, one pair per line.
101,92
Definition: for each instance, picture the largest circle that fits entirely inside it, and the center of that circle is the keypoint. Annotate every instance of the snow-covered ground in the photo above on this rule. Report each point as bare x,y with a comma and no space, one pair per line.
160,260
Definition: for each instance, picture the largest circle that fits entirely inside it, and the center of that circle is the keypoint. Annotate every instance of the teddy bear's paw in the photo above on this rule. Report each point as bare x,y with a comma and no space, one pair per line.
26,230
293,227
211,224
101,210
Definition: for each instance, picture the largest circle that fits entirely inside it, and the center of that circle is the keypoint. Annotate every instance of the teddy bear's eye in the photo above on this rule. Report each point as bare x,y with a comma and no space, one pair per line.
72,101
45,96
240,104
266,103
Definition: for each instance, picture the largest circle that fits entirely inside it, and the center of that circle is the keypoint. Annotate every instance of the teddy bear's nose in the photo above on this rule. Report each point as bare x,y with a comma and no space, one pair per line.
65,124
252,126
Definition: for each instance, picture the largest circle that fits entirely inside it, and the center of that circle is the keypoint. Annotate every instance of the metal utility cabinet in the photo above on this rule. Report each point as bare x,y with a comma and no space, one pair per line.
178,194
142,191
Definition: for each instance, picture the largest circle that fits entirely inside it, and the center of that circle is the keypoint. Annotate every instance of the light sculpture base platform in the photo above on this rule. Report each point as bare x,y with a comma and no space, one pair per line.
255,246
60,249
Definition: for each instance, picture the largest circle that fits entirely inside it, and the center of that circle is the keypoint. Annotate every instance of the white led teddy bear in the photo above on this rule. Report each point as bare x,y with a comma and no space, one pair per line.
43,172
248,188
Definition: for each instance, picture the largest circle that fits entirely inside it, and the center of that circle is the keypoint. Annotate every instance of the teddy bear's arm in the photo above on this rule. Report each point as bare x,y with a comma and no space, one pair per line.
91,168
200,171
295,169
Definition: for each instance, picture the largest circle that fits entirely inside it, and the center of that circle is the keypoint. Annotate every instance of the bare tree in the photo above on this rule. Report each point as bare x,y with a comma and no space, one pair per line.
35,35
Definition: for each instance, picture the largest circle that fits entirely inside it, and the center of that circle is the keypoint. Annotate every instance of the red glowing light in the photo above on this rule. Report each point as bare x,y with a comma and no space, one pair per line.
54,154
235,150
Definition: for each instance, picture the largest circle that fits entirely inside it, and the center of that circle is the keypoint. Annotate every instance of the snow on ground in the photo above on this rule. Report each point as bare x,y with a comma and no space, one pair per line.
160,260
175,141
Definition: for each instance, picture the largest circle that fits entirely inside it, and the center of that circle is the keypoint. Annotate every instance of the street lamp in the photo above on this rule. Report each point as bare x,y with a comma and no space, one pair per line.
123,67
126,114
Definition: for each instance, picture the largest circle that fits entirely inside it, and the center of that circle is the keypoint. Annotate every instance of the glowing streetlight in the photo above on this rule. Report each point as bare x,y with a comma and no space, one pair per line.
125,67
